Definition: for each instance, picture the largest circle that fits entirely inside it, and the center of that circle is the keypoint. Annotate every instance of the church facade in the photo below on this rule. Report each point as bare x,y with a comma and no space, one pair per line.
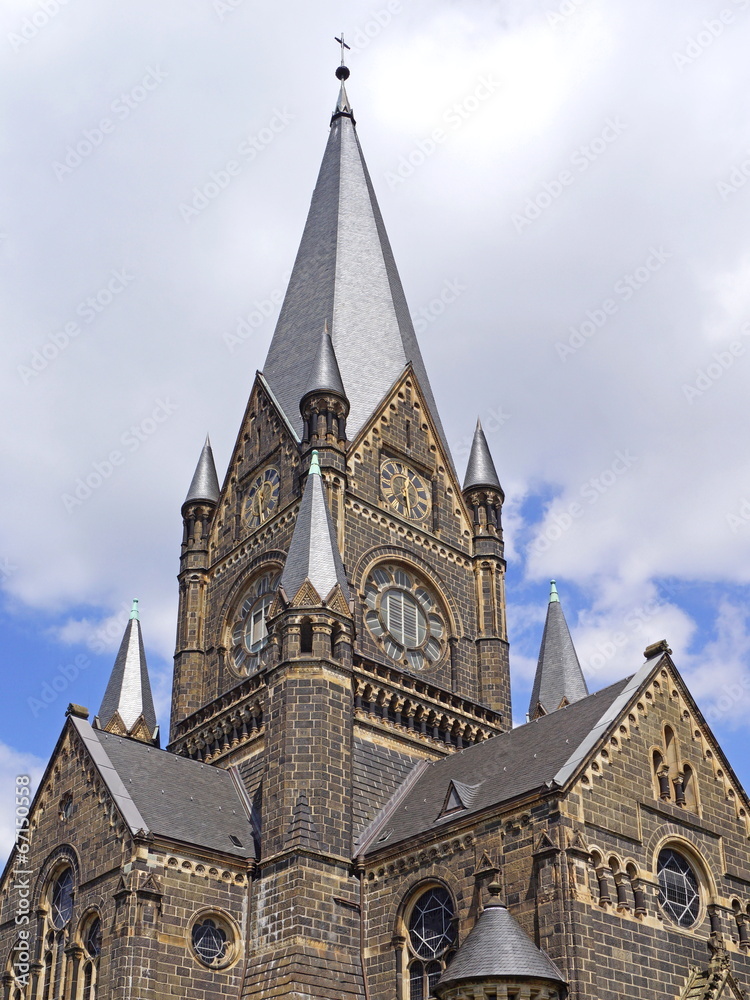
342,808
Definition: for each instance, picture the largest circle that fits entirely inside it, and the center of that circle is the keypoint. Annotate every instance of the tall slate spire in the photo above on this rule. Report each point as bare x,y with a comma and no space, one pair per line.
205,482
313,551
559,679
481,469
345,273
128,707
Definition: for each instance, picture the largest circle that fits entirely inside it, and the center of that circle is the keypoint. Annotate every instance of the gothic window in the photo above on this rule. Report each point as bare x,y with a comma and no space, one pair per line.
92,948
679,893
404,616
213,940
250,634
430,941
59,897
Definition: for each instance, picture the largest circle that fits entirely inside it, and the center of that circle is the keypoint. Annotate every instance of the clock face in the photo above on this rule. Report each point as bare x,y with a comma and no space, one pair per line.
262,497
405,491
249,634
404,615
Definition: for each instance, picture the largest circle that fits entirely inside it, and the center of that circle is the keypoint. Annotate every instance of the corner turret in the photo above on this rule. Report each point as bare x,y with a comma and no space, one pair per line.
559,680
128,707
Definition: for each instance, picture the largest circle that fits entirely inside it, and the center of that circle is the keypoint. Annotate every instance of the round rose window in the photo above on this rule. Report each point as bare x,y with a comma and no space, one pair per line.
404,616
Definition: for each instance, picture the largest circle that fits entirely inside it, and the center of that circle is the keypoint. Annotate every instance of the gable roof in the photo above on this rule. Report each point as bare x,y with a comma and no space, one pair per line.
539,754
171,796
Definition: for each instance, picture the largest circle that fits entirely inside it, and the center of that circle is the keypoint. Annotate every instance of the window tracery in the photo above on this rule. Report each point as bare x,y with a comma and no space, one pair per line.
430,940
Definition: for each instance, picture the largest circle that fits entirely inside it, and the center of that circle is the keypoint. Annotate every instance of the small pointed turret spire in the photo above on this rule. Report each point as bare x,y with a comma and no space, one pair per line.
559,679
481,469
324,374
313,551
205,483
128,706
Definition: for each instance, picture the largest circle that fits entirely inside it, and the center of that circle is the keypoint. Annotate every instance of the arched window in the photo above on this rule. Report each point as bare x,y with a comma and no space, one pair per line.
679,890
430,940
59,899
690,788
92,948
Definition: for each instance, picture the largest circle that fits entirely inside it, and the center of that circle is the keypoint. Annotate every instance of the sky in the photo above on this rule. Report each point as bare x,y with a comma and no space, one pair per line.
566,186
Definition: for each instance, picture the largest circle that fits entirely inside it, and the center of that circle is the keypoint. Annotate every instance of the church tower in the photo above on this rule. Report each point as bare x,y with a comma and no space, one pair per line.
342,612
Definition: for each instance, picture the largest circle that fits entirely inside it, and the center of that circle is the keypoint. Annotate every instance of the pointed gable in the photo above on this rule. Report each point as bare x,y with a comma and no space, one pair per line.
128,705
344,273
313,552
559,680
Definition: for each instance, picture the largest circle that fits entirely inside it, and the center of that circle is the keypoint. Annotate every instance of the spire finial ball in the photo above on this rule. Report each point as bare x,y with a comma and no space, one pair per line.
342,73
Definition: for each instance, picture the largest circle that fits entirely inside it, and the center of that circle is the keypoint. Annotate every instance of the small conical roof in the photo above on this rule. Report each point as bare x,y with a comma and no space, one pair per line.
324,374
497,948
559,677
205,482
129,689
313,551
481,469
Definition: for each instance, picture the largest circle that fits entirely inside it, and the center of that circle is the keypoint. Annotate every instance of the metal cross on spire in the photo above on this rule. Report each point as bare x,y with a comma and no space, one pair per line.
343,70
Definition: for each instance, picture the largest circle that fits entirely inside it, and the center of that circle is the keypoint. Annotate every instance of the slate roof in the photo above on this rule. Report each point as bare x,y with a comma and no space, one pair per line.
345,274
313,551
129,689
497,948
171,796
205,482
504,767
325,375
558,672
481,469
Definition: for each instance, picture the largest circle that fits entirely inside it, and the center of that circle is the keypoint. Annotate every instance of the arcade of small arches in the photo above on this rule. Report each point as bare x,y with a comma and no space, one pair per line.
674,779
684,888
